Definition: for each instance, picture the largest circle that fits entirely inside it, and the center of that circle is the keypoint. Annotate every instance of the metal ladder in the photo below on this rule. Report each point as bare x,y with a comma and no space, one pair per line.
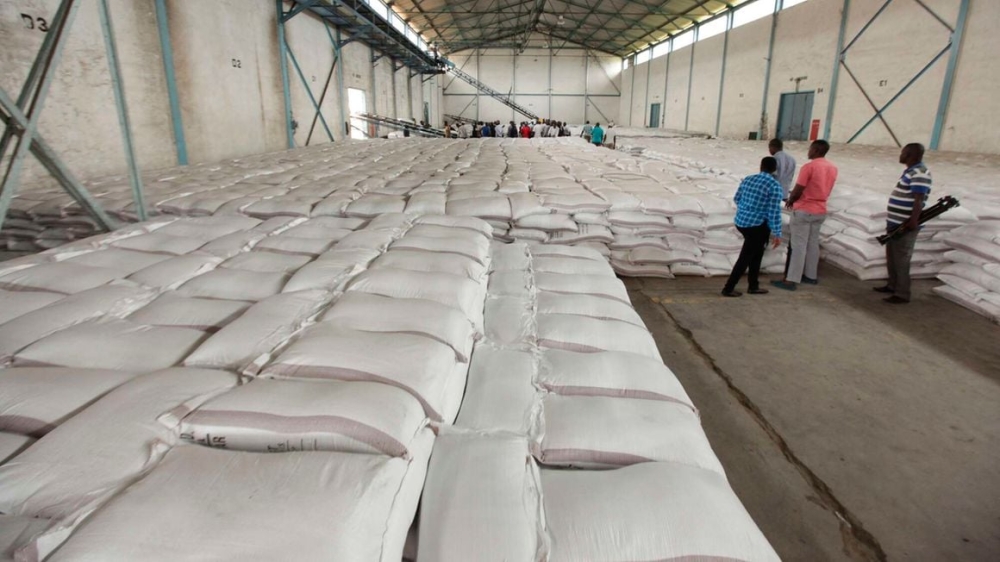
505,99
400,124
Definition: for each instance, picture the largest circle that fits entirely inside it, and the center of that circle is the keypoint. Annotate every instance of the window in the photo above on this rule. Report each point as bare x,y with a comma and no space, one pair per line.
624,64
411,35
753,12
712,27
790,3
379,8
684,39
397,22
661,49
642,57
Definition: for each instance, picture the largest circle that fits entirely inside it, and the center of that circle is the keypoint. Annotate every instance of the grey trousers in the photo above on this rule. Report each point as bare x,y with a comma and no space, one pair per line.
804,259
898,253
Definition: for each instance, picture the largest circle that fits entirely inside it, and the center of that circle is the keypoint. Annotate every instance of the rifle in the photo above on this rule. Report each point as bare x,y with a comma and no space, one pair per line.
935,210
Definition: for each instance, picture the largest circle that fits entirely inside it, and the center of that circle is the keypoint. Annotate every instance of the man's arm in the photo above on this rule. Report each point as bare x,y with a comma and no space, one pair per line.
774,218
795,195
918,206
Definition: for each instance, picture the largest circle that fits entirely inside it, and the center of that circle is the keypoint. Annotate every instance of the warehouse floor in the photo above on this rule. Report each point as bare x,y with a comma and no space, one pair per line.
851,429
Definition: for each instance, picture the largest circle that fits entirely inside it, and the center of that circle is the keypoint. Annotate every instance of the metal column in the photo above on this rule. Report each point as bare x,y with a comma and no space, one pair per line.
666,83
121,105
340,80
722,74
43,71
549,116
645,105
762,126
836,68
586,83
631,93
168,71
949,76
687,110
283,55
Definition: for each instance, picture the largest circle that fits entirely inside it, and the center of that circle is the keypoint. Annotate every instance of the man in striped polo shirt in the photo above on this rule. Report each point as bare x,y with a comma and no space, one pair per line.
905,205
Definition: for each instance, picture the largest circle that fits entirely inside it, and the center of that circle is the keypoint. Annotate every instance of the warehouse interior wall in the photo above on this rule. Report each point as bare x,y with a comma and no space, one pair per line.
892,50
555,80
227,66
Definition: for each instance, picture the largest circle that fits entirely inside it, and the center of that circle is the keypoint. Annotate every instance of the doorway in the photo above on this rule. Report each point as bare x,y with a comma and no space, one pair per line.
357,102
795,115
654,115
427,113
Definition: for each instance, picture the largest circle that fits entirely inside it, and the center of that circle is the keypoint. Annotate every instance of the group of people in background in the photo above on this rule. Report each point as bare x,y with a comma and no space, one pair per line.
760,197
496,129
528,130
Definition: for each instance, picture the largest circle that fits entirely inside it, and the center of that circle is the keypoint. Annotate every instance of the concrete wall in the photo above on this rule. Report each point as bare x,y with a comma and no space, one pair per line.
556,81
895,47
226,60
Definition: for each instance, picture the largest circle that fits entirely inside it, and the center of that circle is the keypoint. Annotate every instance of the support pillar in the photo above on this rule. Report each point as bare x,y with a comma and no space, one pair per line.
114,66
836,70
949,76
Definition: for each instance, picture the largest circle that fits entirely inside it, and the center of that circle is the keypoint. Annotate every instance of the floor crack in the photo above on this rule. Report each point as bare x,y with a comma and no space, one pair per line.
858,542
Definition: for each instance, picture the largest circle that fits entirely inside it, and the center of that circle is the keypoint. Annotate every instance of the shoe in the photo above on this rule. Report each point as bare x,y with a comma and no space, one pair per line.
809,281
883,289
784,285
726,293
895,300
758,291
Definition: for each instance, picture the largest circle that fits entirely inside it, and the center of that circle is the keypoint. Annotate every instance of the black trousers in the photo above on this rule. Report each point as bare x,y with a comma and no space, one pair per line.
754,243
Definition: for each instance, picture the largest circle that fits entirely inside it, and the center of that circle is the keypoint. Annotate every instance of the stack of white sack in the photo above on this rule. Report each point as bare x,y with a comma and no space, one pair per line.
856,219
972,278
123,360
574,441
649,218
856,212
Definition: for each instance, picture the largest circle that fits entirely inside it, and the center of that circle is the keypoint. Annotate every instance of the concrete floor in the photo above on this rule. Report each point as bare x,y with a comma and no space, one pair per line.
850,428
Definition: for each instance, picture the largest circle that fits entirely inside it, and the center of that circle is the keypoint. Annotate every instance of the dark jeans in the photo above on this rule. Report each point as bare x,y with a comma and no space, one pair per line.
754,243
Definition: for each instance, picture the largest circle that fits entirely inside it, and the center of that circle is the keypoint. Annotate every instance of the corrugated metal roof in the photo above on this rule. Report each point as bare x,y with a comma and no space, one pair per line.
619,27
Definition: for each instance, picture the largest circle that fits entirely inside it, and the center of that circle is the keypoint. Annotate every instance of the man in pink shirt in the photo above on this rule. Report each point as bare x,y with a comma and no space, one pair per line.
808,204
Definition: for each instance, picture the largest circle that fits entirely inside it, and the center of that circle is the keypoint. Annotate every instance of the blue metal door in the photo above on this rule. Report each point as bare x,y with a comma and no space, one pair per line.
795,116
654,115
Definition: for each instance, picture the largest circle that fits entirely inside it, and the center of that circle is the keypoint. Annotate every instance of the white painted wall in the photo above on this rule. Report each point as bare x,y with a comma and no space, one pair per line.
556,81
893,49
226,60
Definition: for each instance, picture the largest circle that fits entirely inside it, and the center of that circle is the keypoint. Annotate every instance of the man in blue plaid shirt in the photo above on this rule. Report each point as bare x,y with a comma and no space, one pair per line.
758,217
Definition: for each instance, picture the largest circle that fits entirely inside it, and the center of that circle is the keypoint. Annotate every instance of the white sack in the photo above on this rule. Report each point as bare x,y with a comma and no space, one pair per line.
36,400
234,284
510,321
331,270
33,326
603,432
649,511
476,248
500,395
597,285
457,292
103,448
357,506
207,315
374,313
586,305
423,367
436,262
11,444
18,303
481,501
610,373
63,277
112,344
268,416
580,333
246,343
175,271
